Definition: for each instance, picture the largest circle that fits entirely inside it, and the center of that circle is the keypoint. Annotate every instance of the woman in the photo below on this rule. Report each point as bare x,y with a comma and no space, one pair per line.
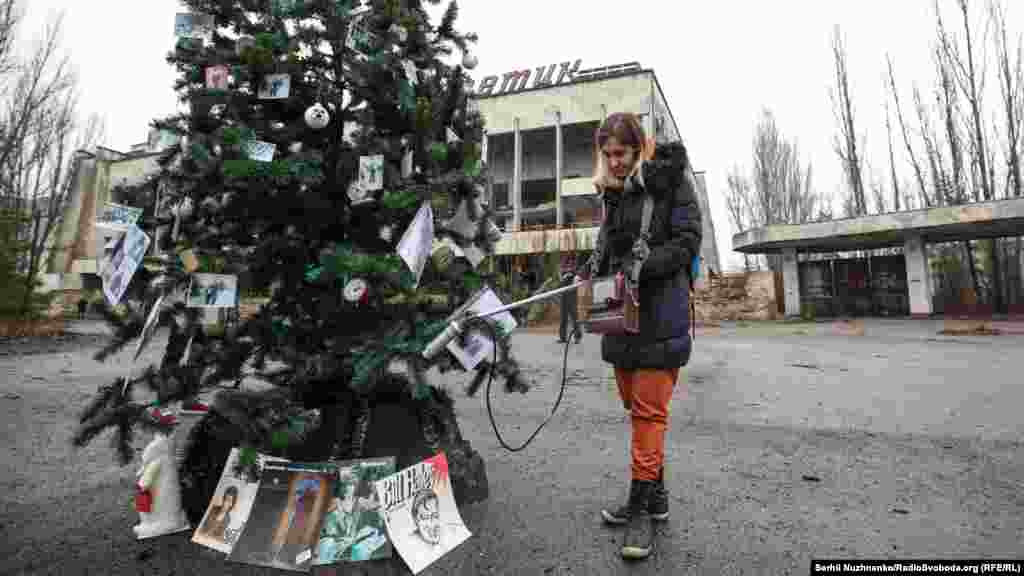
646,364
219,517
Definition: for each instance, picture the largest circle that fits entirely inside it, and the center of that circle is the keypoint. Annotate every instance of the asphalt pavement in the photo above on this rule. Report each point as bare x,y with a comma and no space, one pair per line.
787,442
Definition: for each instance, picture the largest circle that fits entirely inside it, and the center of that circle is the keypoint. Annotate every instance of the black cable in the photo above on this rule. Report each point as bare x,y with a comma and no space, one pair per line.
558,401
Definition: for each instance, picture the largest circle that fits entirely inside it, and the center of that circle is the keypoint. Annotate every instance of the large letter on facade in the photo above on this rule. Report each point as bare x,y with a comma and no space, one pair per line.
542,79
513,81
569,73
487,85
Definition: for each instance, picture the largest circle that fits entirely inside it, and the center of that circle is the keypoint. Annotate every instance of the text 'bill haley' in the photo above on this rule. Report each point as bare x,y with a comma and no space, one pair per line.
405,484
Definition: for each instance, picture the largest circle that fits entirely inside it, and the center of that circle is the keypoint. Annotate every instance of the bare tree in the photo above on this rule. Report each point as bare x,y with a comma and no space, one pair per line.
780,189
1011,88
845,142
40,130
892,160
911,155
737,201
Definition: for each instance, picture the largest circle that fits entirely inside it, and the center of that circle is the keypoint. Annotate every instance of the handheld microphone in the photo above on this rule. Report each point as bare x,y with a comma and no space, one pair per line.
455,328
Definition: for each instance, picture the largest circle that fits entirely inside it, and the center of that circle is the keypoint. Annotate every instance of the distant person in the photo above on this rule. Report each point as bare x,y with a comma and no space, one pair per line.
569,323
83,304
646,364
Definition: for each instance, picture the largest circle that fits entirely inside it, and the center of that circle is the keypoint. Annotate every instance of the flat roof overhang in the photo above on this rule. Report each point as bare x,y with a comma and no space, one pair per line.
1000,218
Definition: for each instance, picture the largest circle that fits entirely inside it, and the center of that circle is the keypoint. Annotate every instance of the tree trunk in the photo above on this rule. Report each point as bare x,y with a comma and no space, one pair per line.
970,265
997,277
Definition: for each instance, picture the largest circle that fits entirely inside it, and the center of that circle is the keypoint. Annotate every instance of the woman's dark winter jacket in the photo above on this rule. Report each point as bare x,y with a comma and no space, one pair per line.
675,237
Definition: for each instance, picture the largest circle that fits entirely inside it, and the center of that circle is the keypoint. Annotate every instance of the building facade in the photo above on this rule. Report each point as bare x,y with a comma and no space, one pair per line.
539,149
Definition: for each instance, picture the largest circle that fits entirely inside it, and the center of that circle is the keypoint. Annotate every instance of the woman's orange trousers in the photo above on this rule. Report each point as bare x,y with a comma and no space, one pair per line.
646,395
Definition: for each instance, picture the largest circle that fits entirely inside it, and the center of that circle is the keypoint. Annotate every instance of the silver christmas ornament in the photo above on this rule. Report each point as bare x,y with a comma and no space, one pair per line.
469,61
277,126
317,117
295,147
386,233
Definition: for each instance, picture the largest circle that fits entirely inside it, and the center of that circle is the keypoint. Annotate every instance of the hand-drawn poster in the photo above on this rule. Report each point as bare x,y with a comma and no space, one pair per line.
128,254
229,508
213,291
353,528
420,512
286,517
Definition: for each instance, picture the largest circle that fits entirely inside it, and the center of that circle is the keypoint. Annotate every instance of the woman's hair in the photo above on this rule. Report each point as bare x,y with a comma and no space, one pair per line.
624,127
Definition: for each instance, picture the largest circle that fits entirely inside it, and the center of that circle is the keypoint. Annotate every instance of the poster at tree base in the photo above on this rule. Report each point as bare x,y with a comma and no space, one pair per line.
127,255
229,508
287,516
353,529
419,508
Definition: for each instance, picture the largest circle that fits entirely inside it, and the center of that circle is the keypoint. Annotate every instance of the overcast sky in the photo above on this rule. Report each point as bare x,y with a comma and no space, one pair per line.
718,62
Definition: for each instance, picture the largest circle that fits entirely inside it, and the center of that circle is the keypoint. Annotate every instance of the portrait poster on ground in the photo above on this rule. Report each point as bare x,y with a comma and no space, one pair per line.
287,516
229,508
419,508
353,529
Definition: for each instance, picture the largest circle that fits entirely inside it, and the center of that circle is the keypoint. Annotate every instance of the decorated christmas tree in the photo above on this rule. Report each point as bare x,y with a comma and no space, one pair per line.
330,159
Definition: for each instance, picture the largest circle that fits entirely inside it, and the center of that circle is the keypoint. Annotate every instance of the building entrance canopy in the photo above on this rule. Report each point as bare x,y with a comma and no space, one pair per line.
1001,218
912,230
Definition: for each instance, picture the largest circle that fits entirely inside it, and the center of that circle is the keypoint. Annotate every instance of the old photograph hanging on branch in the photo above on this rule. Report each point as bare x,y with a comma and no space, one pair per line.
371,172
275,87
117,272
195,26
217,77
118,216
213,291
420,512
260,151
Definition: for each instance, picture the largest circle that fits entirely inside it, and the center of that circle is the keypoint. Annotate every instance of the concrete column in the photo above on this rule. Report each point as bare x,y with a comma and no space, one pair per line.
559,218
791,282
517,177
919,279
488,187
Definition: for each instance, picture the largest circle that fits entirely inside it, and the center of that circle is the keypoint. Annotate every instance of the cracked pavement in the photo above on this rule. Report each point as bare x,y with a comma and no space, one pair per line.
787,442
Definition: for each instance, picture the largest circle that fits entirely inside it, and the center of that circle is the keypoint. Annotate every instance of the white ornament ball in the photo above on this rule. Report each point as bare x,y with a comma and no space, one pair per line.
317,117
469,61
357,291
386,233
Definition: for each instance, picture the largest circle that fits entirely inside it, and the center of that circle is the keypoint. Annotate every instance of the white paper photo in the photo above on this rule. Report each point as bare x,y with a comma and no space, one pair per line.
415,246
260,151
371,172
213,291
127,255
